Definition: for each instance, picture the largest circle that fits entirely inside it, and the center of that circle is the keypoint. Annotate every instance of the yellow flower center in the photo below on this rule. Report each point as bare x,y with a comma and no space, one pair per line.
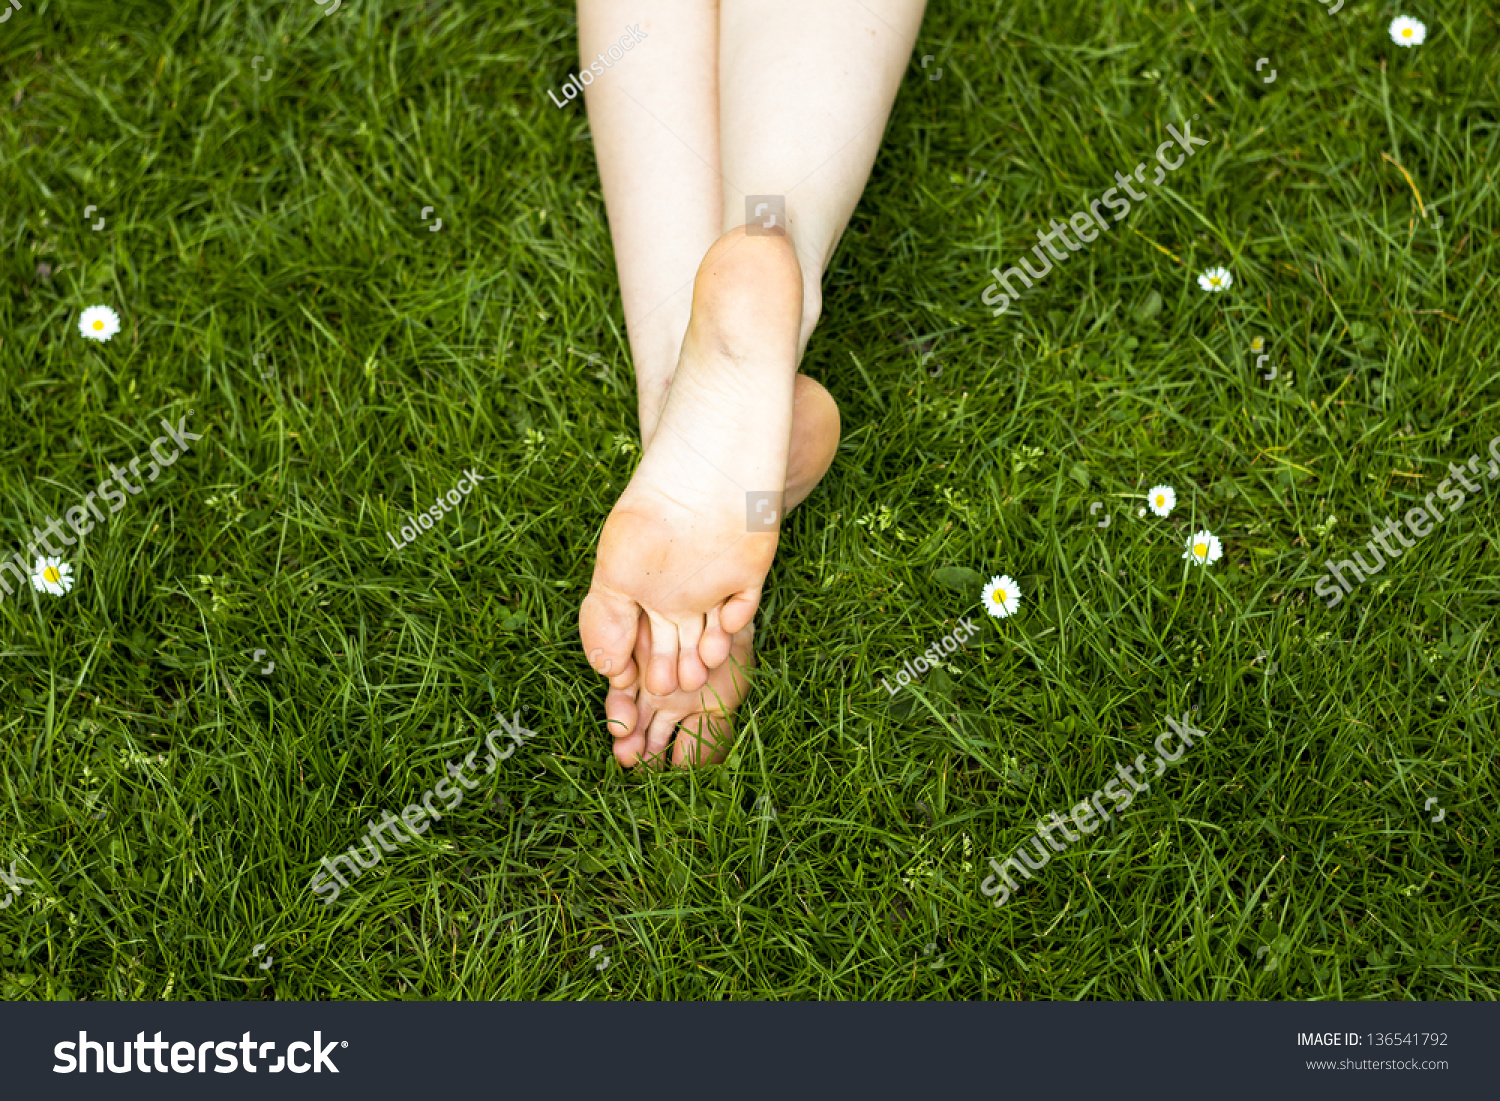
51,574
1214,279
999,596
1405,32
1161,501
1200,549
98,326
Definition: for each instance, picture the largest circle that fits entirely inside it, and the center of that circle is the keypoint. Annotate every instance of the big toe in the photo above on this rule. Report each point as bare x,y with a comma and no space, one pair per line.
607,629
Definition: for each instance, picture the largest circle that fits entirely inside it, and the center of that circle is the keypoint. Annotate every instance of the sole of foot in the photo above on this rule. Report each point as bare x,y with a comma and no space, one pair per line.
696,728
680,546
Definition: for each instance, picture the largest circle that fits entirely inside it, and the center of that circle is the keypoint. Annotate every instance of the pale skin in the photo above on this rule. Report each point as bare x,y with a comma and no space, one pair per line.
719,101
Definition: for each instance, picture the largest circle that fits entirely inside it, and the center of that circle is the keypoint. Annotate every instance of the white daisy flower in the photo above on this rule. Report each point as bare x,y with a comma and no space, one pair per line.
1215,280
1406,31
1204,547
1002,596
1163,499
52,575
99,323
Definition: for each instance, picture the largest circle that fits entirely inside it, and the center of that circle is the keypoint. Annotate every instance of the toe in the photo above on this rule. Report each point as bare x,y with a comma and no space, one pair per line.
659,738
702,739
739,610
713,647
692,673
661,669
631,749
705,737
621,715
628,711
607,627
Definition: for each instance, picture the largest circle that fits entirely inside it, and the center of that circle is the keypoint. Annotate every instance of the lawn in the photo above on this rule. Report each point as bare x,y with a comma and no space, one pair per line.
247,671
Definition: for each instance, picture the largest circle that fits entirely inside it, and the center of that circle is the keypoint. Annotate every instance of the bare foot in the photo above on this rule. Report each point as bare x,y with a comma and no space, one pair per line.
645,724
679,545
689,728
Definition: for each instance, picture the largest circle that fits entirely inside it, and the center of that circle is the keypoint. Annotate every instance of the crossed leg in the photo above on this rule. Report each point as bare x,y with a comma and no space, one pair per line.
787,98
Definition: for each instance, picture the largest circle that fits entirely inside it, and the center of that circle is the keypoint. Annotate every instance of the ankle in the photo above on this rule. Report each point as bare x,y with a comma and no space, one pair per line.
655,345
651,399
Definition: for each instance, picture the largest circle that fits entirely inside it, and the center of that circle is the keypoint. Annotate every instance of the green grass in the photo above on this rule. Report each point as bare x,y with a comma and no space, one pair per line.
171,803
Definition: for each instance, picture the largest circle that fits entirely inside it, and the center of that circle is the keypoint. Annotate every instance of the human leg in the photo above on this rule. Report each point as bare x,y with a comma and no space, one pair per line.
805,90
673,548
653,116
